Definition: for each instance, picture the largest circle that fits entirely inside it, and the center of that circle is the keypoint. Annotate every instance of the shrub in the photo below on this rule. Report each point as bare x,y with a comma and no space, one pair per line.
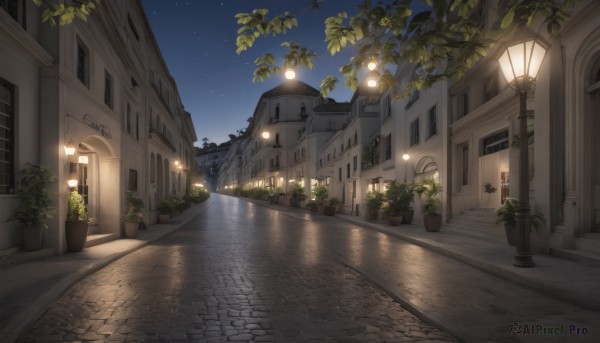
374,200
133,208
321,194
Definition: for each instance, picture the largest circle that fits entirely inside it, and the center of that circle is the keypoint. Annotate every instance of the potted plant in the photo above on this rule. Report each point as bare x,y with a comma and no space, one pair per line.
373,201
399,197
297,195
507,215
166,208
320,194
133,214
76,226
330,209
431,189
34,206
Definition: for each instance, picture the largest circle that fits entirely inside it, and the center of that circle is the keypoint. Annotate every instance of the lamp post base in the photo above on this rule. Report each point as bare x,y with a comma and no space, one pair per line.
523,261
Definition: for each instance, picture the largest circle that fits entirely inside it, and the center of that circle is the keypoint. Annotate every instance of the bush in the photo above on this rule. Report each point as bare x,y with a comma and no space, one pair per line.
197,195
399,196
297,194
133,208
374,200
321,194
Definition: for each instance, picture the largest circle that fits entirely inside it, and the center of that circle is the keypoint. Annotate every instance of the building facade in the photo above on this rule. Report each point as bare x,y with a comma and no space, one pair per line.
102,88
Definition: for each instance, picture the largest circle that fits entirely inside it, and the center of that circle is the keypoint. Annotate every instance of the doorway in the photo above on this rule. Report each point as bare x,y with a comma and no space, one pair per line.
494,170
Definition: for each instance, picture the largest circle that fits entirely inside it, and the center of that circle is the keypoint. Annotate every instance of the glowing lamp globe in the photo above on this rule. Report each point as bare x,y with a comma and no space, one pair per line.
290,74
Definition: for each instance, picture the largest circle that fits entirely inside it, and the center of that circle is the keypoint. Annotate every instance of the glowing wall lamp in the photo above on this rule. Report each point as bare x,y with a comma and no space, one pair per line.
520,64
70,148
72,183
266,135
372,79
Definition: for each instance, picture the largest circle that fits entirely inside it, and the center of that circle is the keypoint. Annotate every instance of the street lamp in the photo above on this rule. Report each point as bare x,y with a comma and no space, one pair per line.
290,74
372,78
265,134
405,157
520,64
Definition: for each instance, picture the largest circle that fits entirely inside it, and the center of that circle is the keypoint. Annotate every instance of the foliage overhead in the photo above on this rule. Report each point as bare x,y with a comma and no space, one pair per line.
65,11
444,40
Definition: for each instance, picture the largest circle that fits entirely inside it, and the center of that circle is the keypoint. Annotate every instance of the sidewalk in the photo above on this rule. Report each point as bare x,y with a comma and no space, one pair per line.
28,289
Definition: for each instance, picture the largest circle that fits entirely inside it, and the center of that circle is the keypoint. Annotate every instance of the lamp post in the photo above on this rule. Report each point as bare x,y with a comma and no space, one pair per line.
405,157
520,64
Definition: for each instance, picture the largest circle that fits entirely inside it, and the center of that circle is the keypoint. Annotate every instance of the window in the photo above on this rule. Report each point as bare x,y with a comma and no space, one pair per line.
128,118
387,145
432,121
355,137
303,150
7,140
348,170
137,126
463,104
490,86
132,27
414,132
465,165
82,64
15,11
277,111
320,162
495,142
108,92
328,157
303,110
340,174
355,163
387,110
276,139
133,180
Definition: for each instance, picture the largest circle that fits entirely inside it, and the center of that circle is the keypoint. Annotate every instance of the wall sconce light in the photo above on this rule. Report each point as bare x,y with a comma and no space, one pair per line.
70,148
72,183
266,135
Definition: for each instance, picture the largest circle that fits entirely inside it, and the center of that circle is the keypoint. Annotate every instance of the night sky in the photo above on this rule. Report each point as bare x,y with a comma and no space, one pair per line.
197,39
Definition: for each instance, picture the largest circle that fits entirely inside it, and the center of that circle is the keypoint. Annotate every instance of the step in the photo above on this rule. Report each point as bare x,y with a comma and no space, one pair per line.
476,220
475,223
14,256
480,235
579,256
589,242
97,239
497,231
479,213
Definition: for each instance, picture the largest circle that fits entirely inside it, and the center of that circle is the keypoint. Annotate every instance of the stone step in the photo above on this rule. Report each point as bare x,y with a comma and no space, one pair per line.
579,256
96,239
589,242
487,235
474,221
479,214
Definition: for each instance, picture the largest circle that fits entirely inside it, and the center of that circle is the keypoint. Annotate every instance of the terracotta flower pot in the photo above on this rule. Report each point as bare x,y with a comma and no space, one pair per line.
33,237
433,222
394,220
511,234
131,229
76,234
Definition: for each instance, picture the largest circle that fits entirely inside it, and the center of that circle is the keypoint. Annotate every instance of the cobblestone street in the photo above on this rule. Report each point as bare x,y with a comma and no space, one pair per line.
238,272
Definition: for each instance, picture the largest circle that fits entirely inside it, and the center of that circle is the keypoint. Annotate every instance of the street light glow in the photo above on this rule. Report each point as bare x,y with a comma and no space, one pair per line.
290,74
266,135
371,65
405,157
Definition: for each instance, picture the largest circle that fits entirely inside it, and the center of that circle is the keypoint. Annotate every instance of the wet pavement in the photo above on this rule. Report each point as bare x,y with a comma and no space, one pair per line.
243,272
237,272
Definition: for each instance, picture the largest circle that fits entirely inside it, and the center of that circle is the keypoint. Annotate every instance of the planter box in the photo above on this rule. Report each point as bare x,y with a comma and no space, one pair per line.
33,237
394,221
433,222
130,230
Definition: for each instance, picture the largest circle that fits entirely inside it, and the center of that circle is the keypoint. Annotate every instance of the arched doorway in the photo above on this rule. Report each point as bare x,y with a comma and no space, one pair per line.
99,183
